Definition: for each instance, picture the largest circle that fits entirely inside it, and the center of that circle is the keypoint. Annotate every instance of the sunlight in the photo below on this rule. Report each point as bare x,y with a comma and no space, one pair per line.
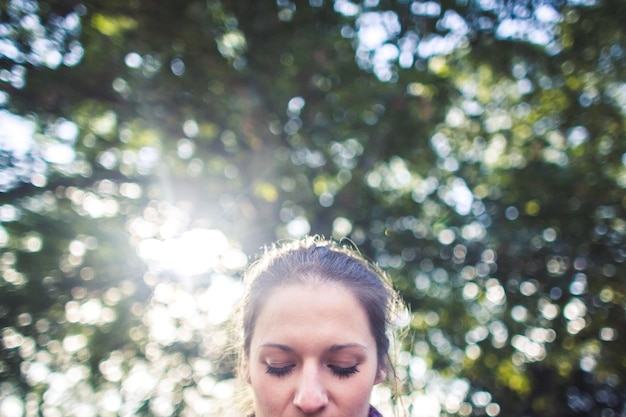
11,406
17,133
195,252
182,313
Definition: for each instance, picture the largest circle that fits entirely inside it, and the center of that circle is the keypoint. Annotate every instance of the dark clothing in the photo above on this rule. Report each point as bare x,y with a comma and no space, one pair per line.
374,412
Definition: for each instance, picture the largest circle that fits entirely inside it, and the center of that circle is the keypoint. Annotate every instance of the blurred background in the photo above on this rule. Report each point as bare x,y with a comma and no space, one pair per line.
475,149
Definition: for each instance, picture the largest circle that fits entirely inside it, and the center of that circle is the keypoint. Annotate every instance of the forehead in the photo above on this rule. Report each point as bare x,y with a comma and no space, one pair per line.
297,314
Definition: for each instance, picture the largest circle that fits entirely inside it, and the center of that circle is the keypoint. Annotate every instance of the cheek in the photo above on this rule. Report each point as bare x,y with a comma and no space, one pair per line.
267,389
271,398
353,394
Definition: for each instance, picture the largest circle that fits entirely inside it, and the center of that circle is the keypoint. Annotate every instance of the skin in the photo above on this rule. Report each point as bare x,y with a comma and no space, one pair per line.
312,354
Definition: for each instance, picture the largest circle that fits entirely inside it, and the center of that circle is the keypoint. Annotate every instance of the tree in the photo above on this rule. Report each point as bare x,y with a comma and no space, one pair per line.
473,149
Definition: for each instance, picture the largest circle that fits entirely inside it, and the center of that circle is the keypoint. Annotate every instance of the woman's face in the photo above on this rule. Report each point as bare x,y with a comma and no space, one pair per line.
312,353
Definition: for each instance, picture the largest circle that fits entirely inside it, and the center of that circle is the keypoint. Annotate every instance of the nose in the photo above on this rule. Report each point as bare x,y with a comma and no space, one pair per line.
310,395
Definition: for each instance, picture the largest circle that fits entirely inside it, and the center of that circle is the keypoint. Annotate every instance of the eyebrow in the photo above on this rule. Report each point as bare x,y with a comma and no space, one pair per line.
277,346
331,349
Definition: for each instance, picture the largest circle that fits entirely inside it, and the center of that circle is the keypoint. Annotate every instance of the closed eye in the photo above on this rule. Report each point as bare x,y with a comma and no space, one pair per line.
279,371
342,372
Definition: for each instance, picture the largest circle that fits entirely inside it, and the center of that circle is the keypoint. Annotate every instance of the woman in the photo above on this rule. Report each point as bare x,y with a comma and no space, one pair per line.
315,321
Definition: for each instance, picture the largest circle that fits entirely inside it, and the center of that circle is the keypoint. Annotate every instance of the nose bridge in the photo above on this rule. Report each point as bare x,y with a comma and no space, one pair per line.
310,394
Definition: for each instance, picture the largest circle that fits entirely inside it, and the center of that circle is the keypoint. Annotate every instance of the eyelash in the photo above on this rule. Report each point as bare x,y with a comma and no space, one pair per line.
343,372
338,371
279,372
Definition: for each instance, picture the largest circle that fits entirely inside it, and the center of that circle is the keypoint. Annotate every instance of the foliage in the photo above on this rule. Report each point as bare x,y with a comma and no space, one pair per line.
474,149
